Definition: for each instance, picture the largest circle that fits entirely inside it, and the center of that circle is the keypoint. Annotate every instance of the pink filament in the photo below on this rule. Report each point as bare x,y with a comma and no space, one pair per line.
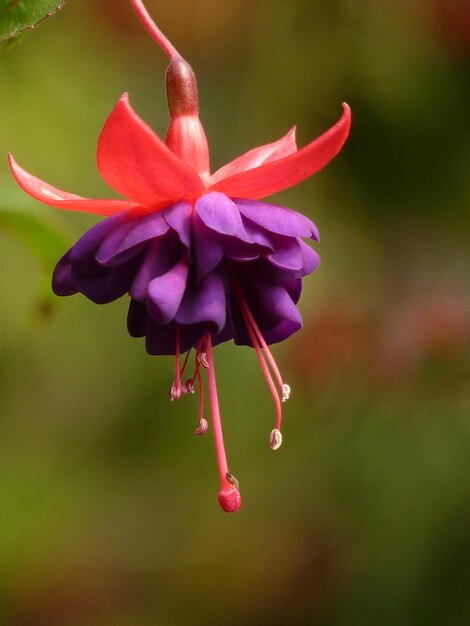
257,340
261,340
177,358
201,397
185,362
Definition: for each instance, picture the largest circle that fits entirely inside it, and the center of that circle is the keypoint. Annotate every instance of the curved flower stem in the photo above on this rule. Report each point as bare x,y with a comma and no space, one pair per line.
156,34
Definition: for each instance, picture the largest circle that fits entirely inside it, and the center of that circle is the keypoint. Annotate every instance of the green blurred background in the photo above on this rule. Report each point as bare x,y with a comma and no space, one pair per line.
108,511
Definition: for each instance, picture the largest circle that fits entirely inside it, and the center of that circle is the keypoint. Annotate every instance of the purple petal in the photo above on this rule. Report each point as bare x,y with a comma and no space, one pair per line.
287,253
221,215
161,339
107,287
166,292
283,330
293,288
310,258
277,219
204,303
178,217
240,251
270,303
208,248
137,319
276,303
258,235
128,239
161,256
62,284
86,246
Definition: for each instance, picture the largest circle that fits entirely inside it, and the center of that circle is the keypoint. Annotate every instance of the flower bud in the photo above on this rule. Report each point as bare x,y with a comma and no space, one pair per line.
185,136
181,88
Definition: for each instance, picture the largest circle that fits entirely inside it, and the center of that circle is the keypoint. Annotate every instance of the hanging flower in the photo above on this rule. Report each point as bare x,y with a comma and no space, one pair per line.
203,259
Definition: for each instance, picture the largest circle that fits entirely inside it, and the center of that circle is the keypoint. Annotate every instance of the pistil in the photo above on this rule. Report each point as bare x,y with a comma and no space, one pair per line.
229,494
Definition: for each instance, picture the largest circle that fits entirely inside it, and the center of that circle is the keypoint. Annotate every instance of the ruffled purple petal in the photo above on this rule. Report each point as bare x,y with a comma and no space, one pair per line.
208,250
137,319
62,283
161,340
278,219
178,217
178,265
310,258
270,303
287,254
204,302
293,288
166,292
221,215
130,238
107,287
162,254
282,331
240,251
85,248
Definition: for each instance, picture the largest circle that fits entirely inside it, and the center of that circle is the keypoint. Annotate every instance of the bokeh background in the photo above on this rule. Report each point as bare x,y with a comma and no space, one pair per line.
108,511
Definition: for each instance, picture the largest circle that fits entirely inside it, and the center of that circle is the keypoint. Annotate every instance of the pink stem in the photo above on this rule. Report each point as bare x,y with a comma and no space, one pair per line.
154,31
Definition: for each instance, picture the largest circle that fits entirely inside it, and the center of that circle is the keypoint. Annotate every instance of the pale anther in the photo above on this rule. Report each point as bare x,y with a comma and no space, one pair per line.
175,391
275,439
202,358
203,426
285,392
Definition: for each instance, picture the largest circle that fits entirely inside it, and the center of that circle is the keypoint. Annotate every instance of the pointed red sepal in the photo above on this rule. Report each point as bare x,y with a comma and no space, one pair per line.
290,170
258,156
136,162
52,196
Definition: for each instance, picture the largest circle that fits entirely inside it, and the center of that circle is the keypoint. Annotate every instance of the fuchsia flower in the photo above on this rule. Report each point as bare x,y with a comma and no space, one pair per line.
203,259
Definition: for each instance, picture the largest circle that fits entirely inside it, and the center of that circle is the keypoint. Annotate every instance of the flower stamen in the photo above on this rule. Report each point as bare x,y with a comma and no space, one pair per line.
285,392
284,388
202,358
203,424
262,350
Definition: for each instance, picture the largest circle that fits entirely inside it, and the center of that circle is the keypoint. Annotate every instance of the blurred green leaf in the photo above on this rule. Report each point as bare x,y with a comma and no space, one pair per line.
17,16
43,240
39,236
